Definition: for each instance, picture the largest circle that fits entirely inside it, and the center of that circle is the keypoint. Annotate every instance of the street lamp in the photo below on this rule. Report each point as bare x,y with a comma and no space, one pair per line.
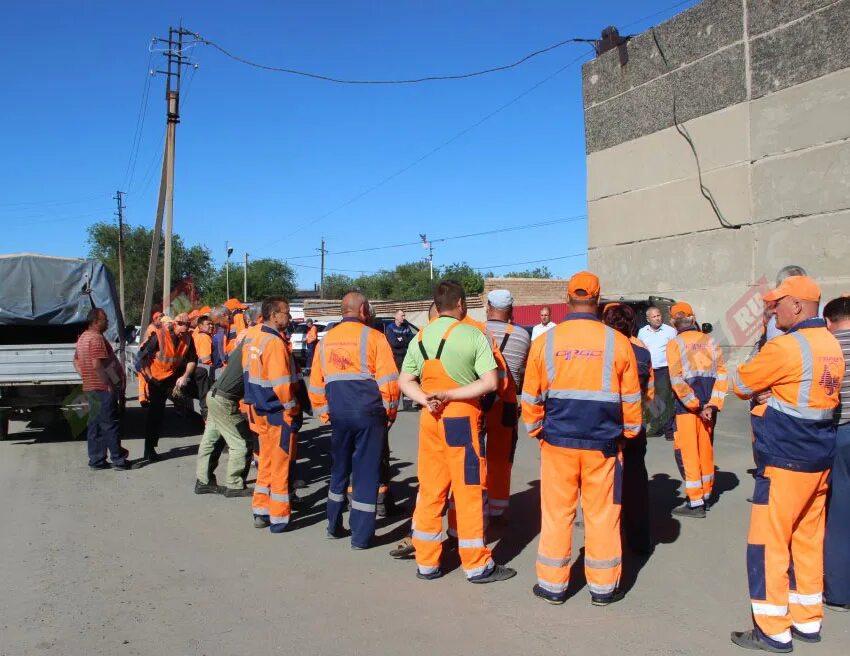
227,266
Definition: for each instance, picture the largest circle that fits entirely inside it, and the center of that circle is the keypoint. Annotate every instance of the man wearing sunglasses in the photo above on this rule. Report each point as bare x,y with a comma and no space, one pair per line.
167,360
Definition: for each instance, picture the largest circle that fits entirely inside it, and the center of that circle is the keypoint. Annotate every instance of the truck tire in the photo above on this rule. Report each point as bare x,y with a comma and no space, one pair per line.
4,424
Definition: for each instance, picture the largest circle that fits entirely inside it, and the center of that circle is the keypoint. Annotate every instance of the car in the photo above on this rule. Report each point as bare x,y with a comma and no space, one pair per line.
381,323
297,337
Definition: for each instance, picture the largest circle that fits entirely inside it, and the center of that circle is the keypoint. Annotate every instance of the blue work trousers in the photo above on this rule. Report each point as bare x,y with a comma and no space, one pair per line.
836,552
104,422
357,444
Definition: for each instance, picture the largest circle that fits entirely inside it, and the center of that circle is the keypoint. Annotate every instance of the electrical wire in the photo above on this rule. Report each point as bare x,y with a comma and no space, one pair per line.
682,130
130,171
661,12
511,264
429,78
50,203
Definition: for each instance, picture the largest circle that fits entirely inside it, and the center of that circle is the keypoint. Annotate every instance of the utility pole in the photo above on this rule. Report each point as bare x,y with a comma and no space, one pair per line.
430,248
120,213
245,281
227,266
322,278
165,207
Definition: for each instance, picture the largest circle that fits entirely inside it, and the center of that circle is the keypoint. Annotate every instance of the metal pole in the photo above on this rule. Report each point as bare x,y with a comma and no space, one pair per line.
227,267
118,197
322,283
245,281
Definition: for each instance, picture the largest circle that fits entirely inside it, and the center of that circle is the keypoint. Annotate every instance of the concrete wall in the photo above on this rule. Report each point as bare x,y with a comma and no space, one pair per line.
763,89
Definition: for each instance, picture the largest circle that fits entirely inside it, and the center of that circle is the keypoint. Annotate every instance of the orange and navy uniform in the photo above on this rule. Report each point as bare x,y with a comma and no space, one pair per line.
698,378
271,381
581,396
803,370
203,348
312,335
500,421
354,385
171,355
143,384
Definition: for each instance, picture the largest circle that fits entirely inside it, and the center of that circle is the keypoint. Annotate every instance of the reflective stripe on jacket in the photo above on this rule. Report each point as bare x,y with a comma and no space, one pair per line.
581,386
697,371
803,370
356,373
270,374
170,356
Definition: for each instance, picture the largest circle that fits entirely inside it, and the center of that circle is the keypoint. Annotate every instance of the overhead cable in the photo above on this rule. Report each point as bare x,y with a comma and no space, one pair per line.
428,78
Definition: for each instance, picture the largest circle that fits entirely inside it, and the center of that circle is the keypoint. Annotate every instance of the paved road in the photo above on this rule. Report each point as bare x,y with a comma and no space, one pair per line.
134,563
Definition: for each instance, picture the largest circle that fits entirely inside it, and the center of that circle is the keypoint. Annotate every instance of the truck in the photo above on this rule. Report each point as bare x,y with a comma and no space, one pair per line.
44,302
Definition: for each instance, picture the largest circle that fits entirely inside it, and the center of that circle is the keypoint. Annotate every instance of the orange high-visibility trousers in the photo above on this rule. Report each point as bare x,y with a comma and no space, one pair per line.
450,458
501,425
694,455
271,491
786,533
563,472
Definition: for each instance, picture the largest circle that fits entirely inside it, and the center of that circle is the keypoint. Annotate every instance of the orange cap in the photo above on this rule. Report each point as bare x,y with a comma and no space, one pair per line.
583,281
194,314
802,287
234,304
205,310
681,308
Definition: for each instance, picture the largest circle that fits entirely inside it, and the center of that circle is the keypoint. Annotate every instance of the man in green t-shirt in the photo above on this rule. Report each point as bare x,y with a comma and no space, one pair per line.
447,370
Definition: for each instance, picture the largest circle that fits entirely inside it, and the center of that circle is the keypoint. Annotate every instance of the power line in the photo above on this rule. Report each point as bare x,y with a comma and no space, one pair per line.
429,78
512,264
660,12
140,126
51,203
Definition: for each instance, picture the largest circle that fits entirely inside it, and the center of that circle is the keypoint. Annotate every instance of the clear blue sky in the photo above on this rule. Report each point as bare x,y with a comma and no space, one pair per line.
261,155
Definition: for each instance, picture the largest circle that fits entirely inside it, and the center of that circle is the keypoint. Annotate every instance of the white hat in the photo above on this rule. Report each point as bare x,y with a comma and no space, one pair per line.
500,299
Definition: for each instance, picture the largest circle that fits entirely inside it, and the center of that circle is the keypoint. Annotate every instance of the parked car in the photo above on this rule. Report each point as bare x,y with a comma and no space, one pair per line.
381,323
298,336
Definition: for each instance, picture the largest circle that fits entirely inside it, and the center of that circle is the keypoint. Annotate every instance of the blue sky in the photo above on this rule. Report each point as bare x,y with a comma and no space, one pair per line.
271,163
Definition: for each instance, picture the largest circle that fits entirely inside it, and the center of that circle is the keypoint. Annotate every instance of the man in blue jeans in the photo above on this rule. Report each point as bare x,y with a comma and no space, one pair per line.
102,378
836,554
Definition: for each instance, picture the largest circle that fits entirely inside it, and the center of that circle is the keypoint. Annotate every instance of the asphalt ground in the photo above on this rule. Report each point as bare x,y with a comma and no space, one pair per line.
133,562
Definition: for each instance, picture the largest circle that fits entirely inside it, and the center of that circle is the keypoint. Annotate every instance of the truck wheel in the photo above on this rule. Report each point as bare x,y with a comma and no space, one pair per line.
4,425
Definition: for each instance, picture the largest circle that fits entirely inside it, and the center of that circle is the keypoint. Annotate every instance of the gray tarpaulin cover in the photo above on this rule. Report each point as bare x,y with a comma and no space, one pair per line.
39,290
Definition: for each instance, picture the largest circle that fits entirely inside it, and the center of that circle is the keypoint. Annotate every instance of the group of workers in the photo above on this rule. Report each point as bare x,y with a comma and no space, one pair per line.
581,388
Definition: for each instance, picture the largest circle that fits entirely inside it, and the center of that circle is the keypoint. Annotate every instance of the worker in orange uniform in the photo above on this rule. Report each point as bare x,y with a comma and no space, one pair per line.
204,374
803,370
635,500
447,371
580,398
698,378
271,380
237,321
154,325
354,385
311,339
167,360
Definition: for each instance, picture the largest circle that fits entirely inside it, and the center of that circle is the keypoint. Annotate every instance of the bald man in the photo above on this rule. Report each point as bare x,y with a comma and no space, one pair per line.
167,362
354,386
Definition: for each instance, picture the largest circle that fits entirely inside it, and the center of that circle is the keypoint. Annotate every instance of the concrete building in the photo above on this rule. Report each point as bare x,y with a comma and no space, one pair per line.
761,88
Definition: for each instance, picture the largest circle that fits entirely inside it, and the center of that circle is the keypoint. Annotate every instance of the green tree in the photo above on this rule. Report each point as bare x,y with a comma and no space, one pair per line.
194,261
337,284
266,277
472,280
538,272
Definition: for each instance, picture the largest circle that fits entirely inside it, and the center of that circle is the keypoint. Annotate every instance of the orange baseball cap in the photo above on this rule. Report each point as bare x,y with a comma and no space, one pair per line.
681,308
235,304
801,287
194,314
585,282
205,310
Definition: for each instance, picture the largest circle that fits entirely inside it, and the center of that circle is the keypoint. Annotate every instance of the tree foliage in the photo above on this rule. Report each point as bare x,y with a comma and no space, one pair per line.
406,282
266,277
194,261
537,272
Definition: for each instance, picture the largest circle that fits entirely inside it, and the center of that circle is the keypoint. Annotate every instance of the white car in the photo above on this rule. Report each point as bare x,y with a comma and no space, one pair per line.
298,336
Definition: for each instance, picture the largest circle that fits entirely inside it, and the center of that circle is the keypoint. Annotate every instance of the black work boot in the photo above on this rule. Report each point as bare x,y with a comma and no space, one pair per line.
233,492
687,510
261,521
208,488
610,599
497,573
752,640
549,597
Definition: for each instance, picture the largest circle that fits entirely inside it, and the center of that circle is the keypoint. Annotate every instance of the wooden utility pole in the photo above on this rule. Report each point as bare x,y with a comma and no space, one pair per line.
245,281
165,207
322,275
120,213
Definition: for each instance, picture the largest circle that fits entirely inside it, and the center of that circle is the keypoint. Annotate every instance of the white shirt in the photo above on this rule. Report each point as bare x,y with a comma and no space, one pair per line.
656,342
540,329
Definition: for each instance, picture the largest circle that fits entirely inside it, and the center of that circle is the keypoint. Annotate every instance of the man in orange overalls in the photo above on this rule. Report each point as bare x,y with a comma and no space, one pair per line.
154,325
271,389
447,371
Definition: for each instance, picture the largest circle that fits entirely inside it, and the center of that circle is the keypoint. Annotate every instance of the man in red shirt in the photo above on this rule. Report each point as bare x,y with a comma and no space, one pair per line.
103,380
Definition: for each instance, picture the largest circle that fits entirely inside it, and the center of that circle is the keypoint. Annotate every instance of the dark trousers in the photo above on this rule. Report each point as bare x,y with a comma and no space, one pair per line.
311,349
158,393
663,404
836,544
203,380
357,444
635,499
104,422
